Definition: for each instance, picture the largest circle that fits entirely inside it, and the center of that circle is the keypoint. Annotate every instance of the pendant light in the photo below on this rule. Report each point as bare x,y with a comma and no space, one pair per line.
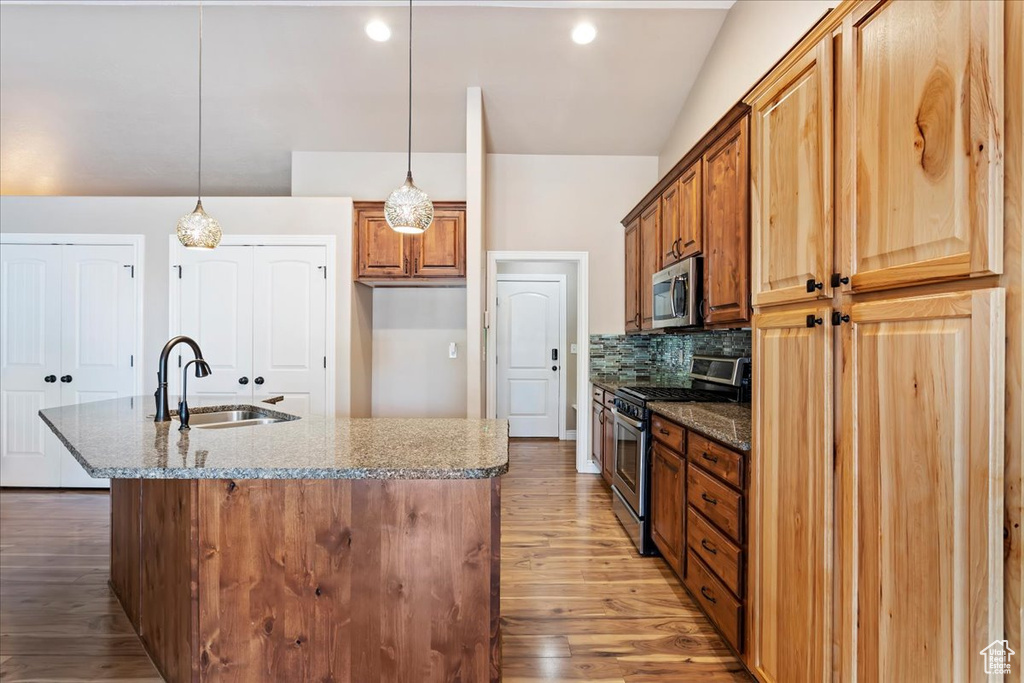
199,230
408,209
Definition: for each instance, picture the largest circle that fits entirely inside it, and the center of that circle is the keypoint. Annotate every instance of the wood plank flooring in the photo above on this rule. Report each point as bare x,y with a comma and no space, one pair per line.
577,602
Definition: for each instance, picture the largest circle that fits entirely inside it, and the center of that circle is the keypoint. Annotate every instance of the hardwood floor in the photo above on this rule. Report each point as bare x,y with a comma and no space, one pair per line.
577,602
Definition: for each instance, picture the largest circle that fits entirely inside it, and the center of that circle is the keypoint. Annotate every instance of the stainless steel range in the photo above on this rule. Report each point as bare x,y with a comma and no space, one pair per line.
714,380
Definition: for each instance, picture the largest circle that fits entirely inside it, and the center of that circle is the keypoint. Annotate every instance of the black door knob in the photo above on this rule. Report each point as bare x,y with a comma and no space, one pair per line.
50,379
243,380
66,379
258,380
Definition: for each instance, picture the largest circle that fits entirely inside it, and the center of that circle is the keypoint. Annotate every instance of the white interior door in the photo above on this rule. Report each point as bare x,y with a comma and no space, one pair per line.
30,350
215,304
289,326
98,334
529,356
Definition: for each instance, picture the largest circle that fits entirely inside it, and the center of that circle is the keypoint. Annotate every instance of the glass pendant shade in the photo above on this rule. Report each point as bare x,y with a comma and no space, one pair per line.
198,230
408,209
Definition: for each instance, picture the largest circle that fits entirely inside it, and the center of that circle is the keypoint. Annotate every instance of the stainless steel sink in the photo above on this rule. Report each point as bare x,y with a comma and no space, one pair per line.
225,419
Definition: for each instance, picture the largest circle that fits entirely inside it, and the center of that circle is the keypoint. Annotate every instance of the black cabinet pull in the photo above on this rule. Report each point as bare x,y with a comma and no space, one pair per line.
243,380
704,592
710,548
839,318
258,380
50,379
712,501
664,431
838,279
66,379
813,320
710,458
813,285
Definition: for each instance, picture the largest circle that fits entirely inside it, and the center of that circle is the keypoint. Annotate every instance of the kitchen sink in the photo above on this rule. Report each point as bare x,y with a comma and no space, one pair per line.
243,417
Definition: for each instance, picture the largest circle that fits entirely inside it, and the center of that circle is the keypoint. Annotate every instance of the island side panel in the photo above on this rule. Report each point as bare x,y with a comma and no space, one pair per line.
125,529
168,581
495,654
348,580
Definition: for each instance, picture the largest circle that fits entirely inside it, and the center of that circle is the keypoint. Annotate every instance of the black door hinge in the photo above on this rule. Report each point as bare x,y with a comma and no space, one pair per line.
324,269
325,362
179,271
131,361
132,269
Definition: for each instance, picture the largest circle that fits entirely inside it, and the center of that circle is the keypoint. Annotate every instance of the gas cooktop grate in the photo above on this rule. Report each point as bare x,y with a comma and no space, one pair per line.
679,394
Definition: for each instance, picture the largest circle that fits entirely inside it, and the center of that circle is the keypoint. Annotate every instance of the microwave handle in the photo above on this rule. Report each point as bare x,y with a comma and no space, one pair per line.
672,296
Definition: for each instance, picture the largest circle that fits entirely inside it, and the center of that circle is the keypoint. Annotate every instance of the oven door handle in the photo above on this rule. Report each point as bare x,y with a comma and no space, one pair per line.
619,416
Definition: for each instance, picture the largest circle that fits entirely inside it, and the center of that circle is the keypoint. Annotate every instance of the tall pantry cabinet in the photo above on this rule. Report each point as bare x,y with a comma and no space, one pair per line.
877,492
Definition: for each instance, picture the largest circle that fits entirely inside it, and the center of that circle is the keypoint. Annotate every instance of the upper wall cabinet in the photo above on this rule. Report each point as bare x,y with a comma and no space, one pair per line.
650,260
726,228
920,141
791,180
385,256
682,225
633,276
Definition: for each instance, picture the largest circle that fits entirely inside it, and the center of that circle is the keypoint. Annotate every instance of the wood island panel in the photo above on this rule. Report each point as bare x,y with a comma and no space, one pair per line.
126,499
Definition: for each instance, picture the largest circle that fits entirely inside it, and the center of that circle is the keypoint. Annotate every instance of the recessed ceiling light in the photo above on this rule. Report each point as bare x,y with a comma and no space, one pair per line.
378,30
584,33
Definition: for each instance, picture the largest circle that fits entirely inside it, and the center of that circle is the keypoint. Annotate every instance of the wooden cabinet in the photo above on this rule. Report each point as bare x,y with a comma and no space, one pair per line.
633,276
650,260
726,228
791,517
597,434
791,181
381,254
668,505
691,211
922,461
670,225
920,141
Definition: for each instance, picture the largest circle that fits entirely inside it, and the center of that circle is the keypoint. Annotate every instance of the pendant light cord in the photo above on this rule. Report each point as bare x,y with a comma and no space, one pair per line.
199,193
409,150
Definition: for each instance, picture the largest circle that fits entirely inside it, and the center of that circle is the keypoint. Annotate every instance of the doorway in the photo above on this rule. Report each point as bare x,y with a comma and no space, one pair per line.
531,320
573,356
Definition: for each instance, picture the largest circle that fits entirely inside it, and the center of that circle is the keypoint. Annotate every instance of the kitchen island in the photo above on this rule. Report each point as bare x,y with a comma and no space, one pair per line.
327,549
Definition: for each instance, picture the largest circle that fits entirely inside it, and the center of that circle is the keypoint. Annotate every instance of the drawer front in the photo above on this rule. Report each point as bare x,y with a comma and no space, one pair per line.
609,399
716,601
598,394
718,460
722,556
716,501
667,433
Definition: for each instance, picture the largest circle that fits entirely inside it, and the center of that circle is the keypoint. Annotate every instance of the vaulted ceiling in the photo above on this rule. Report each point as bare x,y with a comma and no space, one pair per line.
101,98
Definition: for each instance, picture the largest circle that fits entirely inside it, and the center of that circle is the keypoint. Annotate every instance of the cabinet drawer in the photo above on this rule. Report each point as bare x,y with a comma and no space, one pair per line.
667,432
718,460
716,501
598,394
722,556
720,606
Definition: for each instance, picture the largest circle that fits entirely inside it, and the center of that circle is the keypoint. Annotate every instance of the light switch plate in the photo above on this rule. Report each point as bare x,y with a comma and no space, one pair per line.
573,348
453,350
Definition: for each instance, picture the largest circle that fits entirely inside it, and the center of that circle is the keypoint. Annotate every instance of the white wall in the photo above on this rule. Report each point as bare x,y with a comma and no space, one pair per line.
412,373
371,176
755,35
156,217
570,203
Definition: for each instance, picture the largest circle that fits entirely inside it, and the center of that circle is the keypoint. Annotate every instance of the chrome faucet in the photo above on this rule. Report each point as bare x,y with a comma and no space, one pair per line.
202,370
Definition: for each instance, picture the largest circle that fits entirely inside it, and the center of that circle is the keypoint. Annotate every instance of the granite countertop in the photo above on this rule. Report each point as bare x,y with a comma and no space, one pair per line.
728,423
118,439
615,382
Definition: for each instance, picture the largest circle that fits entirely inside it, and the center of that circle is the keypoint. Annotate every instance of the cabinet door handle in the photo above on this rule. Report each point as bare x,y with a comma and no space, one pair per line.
66,379
675,247
813,285
416,264
50,379
664,431
706,594
600,418
710,458
258,380
711,501
703,309
406,266
710,548
243,380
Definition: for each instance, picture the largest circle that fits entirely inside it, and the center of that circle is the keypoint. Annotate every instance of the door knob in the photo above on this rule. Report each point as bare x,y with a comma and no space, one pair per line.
258,380
243,380
66,379
50,379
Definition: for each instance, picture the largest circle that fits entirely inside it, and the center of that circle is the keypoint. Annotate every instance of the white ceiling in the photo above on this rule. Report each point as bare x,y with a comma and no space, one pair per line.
100,98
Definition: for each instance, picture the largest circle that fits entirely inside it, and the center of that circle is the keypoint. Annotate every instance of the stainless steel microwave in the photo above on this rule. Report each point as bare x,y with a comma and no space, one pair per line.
677,294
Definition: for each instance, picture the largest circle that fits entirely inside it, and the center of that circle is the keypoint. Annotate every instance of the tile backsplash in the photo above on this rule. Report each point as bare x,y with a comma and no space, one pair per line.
643,355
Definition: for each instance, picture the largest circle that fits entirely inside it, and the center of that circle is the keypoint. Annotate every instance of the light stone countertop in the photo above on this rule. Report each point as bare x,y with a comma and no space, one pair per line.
118,439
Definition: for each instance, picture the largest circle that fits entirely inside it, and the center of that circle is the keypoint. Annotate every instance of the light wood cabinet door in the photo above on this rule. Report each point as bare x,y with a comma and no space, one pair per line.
727,227
633,276
670,207
921,487
650,260
791,181
668,505
382,252
920,143
791,495
691,211
441,250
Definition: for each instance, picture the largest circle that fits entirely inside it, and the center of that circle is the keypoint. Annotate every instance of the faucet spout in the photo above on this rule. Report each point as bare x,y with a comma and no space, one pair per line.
163,413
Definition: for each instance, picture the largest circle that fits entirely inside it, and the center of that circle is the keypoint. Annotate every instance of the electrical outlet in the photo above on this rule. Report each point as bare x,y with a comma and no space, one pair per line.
682,358
573,348
453,350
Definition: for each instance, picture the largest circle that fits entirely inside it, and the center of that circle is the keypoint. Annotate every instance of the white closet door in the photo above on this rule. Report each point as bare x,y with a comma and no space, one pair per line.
30,350
216,303
289,327
98,335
